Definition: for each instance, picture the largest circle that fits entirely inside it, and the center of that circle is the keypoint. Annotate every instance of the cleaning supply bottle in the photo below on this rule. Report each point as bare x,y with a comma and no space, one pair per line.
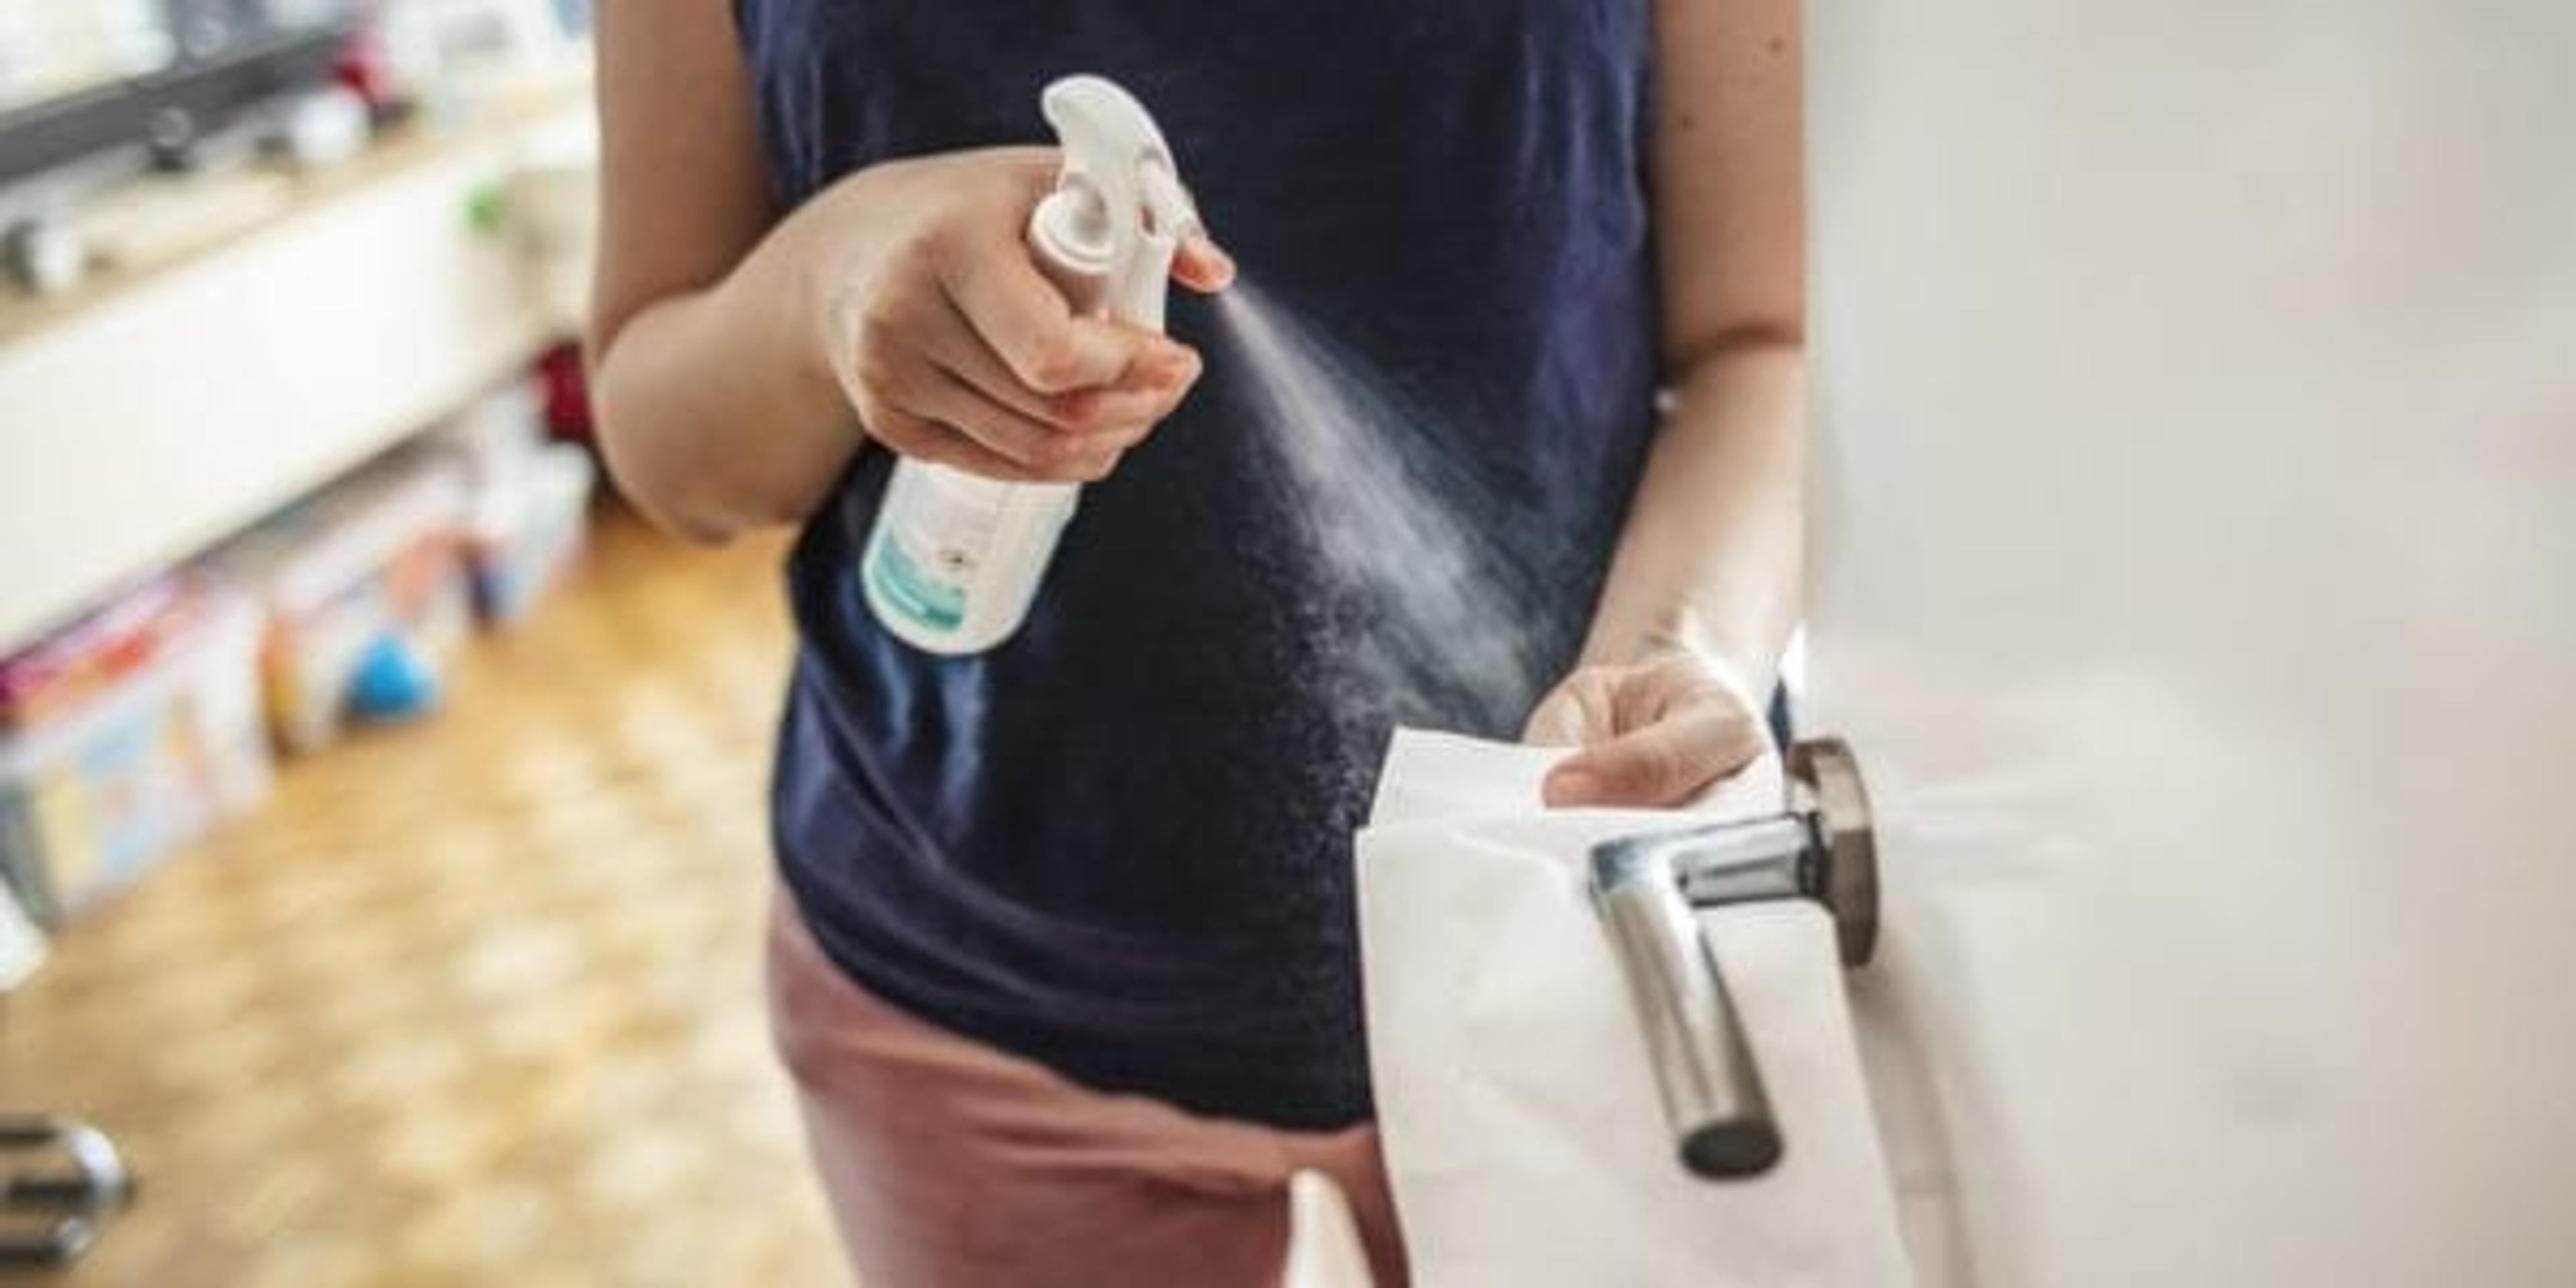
956,558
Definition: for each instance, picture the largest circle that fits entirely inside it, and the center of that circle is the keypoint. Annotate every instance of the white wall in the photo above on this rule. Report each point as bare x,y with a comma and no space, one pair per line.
2196,574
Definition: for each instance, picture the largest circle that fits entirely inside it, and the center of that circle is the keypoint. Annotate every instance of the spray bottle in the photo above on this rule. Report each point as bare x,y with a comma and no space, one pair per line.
956,559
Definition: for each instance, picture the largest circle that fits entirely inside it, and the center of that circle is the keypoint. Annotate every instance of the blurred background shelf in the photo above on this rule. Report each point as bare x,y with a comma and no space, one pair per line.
152,409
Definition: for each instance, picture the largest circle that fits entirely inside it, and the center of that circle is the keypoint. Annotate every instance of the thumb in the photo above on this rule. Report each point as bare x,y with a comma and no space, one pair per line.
1665,763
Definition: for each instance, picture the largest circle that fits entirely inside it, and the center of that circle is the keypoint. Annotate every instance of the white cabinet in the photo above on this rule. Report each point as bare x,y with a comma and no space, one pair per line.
146,425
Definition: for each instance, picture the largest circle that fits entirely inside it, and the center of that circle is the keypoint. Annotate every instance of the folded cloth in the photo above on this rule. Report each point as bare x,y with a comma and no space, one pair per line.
1517,1109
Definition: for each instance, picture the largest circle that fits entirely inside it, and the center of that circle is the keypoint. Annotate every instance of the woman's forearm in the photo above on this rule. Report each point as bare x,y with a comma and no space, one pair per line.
718,409
1711,558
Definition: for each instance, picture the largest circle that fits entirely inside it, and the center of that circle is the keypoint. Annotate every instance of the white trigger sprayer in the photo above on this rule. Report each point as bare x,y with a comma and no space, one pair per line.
956,559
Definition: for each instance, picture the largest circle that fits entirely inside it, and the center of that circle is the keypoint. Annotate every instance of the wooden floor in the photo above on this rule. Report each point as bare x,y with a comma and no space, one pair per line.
474,1001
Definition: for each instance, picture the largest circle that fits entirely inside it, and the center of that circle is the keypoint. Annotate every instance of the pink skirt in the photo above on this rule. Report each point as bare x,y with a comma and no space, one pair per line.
951,1164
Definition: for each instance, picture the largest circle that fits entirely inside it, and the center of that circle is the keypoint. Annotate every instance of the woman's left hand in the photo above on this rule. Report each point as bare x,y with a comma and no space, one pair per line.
1652,733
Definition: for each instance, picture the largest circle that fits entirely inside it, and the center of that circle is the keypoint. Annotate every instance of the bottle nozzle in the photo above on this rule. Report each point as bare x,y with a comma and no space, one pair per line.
1074,224
1119,209
1168,208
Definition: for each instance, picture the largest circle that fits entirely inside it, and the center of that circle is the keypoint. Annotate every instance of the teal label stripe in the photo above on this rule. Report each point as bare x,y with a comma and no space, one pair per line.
904,586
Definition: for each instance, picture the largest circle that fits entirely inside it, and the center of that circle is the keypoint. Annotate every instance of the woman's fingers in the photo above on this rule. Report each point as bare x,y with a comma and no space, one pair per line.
942,399
1653,734
1024,319
1157,380
1136,404
1664,763
928,385
1202,265
917,437
1040,449
1569,716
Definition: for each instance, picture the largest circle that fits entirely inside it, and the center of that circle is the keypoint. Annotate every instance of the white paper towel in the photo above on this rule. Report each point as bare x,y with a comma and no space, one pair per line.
1519,1112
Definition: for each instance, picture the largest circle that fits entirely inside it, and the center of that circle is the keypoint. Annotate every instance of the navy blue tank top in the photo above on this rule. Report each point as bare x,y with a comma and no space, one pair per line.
1119,843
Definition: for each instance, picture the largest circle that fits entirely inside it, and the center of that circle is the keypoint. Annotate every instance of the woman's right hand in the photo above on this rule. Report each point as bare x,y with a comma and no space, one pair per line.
953,348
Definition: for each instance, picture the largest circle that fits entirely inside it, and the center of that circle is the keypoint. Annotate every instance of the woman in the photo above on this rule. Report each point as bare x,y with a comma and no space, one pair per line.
1066,973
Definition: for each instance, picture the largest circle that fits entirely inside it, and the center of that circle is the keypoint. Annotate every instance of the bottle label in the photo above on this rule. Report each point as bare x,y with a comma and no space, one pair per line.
931,542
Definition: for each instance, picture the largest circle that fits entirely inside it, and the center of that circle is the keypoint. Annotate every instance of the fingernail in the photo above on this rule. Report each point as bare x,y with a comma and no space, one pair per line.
1170,366
1217,259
